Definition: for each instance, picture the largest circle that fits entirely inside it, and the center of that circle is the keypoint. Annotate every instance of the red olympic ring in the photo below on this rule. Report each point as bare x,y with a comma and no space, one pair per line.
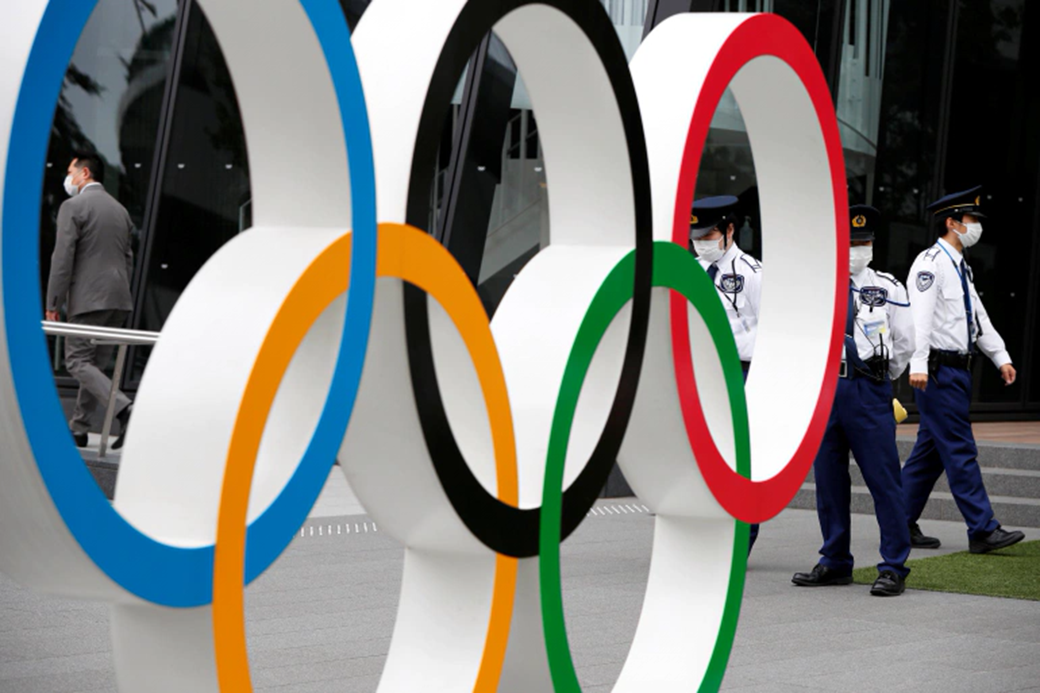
744,499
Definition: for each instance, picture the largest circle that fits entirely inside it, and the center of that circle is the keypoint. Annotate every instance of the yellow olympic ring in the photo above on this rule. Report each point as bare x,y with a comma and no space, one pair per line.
409,254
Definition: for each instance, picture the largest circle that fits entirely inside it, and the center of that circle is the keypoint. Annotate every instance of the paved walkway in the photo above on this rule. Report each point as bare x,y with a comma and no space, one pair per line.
320,619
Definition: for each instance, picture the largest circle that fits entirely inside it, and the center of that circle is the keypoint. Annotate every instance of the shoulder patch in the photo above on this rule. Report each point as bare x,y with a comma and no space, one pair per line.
925,281
731,283
751,262
874,296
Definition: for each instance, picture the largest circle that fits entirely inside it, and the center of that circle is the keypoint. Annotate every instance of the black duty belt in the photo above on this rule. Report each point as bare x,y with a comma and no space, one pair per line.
877,370
953,359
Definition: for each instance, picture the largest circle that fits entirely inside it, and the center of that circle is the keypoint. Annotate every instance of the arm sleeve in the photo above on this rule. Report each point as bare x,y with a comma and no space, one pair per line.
922,308
755,292
990,342
902,322
63,259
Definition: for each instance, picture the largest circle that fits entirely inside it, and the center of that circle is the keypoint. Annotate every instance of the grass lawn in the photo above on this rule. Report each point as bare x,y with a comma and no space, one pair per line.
1012,572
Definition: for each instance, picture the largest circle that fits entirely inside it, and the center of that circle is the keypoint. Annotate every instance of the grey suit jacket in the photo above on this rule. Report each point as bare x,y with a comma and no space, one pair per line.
92,261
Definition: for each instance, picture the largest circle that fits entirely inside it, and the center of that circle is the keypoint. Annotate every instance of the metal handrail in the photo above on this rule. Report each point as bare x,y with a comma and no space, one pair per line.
109,336
101,335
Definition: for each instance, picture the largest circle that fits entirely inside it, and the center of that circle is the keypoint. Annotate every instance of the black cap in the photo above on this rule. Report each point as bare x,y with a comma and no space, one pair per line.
709,212
864,222
958,204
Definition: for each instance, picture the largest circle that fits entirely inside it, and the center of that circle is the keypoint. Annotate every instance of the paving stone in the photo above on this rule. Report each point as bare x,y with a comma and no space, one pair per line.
321,619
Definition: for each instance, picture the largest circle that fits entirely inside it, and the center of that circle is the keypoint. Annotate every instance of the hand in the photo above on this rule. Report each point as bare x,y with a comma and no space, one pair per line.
1007,372
919,381
52,316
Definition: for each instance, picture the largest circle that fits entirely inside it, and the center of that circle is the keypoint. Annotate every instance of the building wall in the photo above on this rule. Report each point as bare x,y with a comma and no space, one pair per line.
932,96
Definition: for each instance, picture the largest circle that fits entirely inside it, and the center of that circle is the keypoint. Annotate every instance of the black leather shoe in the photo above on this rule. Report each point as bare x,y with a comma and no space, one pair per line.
123,418
997,539
79,438
888,584
919,541
821,576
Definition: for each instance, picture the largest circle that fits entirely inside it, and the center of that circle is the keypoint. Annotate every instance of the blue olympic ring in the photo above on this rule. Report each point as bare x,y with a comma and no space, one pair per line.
161,573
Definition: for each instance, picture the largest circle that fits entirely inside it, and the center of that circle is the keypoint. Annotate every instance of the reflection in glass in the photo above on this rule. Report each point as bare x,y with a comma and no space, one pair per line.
859,93
519,222
940,132
992,66
204,196
518,226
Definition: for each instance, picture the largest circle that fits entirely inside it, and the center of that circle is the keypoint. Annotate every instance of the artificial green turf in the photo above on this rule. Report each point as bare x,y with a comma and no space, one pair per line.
1012,572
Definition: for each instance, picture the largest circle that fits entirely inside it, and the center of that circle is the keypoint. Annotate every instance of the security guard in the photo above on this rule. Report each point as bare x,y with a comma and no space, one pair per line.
879,339
737,275
951,321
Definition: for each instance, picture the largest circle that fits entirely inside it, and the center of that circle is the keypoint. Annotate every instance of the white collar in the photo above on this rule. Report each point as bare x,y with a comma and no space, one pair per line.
729,256
955,255
862,279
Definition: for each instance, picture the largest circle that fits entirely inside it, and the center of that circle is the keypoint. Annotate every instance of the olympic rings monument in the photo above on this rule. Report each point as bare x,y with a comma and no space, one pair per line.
338,327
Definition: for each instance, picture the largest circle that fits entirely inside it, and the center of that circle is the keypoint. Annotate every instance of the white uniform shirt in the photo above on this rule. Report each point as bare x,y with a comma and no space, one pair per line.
739,285
937,303
883,321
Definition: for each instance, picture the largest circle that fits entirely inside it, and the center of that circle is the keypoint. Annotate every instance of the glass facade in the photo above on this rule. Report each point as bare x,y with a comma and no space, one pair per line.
959,108
518,225
931,96
202,196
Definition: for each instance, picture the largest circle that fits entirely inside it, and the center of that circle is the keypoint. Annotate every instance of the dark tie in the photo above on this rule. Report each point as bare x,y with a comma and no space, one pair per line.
850,316
851,350
713,270
967,304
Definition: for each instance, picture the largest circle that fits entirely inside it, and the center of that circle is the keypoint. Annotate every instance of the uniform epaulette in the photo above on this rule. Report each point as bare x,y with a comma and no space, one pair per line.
891,278
752,263
932,252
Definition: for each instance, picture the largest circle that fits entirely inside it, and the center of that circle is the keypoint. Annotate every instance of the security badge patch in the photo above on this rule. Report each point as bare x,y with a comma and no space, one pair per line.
873,296
859,221
925,281
732,283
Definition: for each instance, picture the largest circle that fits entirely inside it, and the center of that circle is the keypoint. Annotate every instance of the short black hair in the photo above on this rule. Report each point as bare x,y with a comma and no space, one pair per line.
93,163
940,224
731,218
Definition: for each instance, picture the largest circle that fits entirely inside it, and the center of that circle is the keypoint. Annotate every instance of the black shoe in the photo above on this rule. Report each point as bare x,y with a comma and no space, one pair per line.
919,541
821,576
888,584
123,418
997,539
79,438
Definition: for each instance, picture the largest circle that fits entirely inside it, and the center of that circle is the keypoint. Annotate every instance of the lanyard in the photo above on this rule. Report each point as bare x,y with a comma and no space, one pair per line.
733,268
968,313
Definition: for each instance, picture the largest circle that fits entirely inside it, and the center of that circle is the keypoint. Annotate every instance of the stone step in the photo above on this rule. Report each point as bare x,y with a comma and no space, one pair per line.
1016,483
1002,455
1020,512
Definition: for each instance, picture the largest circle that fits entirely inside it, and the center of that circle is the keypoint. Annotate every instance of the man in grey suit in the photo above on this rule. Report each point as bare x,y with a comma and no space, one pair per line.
90,273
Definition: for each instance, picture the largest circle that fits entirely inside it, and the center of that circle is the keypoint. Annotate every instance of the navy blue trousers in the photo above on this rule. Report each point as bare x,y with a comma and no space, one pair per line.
753,535
861,421
945,443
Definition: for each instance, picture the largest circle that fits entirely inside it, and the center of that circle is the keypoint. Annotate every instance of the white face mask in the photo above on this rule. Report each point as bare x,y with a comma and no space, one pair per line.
971,236
859,257
70,189
710,251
